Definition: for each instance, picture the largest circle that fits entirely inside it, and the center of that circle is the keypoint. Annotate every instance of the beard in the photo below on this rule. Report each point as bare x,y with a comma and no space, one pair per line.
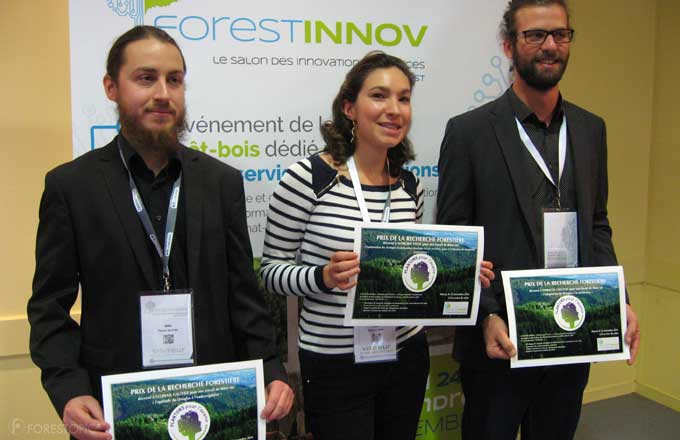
162,140
535,78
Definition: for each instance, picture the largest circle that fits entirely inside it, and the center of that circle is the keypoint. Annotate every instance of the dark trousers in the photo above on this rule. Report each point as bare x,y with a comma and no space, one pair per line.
544,401
377,401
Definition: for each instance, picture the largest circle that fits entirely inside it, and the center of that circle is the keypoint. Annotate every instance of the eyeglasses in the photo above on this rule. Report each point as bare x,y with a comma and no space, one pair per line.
538,36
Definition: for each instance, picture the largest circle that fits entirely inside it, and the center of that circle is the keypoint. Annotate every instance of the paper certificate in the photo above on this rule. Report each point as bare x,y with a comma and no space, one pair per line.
192,403
566,316
416,275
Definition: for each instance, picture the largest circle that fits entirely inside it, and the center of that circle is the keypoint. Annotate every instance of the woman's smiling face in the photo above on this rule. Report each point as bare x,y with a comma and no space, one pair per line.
382,110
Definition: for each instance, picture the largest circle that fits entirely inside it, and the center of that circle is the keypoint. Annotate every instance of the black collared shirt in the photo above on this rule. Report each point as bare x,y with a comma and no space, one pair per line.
155,192
545,137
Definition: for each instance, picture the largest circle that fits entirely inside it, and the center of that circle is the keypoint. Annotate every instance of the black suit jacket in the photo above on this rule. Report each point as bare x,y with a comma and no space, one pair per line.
91,237
486,179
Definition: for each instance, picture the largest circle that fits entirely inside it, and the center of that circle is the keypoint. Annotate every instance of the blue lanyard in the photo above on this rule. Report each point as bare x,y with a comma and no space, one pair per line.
163,251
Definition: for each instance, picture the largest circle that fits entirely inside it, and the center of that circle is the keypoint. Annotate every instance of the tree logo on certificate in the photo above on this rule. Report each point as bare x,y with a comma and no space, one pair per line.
569,313
419,273
189,421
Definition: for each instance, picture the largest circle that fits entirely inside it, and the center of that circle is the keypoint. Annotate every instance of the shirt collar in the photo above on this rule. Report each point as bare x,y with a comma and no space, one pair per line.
525,114
136,164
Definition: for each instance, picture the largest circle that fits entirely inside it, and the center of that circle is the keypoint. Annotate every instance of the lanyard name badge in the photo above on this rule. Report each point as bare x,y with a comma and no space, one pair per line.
560,226
374,343
166,316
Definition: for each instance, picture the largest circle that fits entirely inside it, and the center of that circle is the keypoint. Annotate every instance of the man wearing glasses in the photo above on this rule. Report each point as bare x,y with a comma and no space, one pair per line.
504,166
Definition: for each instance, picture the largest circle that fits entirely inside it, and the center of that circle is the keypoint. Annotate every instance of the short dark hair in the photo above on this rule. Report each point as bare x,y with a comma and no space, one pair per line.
508,28
115,59
337,133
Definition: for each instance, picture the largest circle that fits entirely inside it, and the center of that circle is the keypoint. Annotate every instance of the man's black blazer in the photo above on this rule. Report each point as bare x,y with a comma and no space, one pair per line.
91,237
486,178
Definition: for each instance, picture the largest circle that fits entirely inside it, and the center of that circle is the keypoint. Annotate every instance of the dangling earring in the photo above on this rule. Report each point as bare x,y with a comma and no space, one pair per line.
351,141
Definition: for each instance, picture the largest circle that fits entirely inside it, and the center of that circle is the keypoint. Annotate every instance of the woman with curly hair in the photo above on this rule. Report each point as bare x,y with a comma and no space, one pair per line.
308,253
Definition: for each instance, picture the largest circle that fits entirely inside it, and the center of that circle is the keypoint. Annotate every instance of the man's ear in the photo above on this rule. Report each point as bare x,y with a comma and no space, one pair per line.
508,48
110,88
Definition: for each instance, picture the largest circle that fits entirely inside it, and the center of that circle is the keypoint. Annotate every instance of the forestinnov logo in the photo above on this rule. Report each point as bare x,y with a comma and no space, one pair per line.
288,30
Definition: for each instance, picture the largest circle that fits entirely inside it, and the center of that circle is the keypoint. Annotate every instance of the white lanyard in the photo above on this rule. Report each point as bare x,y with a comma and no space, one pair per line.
562,150
358,192
377,343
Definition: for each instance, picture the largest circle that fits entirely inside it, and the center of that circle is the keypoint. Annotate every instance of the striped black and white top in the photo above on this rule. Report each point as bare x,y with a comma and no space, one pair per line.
312,214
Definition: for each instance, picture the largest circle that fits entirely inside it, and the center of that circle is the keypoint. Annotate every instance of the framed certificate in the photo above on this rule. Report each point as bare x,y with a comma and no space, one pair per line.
566,316
211,401
416,275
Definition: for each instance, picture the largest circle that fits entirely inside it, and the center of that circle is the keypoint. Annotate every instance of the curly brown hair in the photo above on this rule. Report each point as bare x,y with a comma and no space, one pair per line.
337,133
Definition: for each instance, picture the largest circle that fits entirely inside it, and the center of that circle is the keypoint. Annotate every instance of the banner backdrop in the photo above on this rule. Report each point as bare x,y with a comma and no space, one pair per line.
262,75
442,412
